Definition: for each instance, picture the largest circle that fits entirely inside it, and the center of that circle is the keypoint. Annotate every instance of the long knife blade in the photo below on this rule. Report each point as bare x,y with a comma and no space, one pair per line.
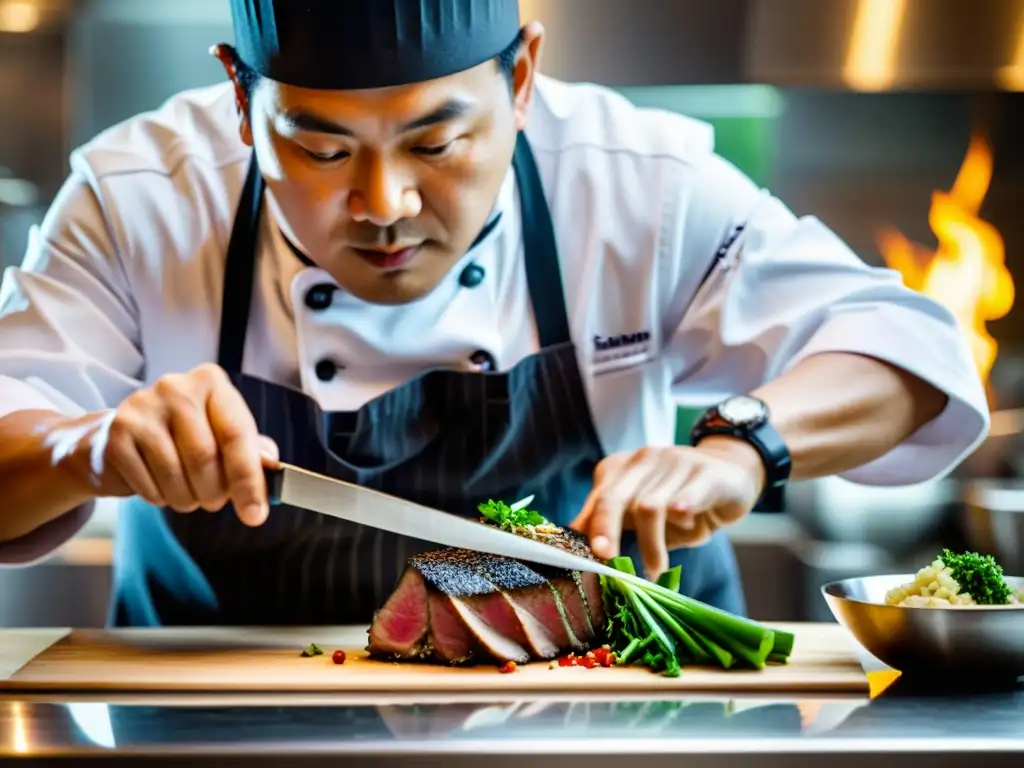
346,501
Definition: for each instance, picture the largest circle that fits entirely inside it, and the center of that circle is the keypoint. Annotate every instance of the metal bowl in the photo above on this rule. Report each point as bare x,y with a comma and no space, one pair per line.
985,643
992,520
897,519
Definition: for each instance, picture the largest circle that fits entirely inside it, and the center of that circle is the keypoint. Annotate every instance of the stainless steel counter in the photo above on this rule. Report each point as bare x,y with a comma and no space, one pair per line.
905,728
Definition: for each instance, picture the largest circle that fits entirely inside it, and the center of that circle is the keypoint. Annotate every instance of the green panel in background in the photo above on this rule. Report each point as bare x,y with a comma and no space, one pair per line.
745,118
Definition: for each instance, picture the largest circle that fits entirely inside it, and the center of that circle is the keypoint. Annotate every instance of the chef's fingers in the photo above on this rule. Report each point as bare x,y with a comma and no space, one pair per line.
662,487
269,452
650,539
581,522
615,495
199,453
649,511
697,534
123,456
158,450
694,498
239,441
608,466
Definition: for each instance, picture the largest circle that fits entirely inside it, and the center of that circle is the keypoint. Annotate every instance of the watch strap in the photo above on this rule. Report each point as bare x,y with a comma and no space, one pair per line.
763,438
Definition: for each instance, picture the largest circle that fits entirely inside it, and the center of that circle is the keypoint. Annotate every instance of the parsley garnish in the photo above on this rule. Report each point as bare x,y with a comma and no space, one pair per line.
980,576
519,515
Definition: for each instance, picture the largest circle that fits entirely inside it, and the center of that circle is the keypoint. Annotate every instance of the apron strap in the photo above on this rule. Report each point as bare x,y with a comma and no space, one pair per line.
543,268
239,271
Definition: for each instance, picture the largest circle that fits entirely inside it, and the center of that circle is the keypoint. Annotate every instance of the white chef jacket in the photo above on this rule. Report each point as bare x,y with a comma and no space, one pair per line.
122,284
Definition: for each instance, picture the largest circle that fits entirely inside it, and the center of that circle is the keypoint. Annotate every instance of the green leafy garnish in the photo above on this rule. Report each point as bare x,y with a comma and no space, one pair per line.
980,576
657,627
511,518
312,650
652,624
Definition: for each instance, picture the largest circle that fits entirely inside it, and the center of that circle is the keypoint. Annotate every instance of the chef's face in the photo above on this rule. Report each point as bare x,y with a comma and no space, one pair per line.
386,189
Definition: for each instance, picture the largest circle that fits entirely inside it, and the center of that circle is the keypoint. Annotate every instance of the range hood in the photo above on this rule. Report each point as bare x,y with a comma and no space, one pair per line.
859,45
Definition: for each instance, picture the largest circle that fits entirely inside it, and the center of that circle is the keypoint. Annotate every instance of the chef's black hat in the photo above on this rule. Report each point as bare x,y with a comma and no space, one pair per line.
350,44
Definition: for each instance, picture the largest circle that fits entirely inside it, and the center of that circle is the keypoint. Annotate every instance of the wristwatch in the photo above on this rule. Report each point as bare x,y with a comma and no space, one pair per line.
748,418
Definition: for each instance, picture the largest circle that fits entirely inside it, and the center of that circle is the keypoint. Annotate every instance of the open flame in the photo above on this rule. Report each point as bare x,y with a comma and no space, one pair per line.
967,273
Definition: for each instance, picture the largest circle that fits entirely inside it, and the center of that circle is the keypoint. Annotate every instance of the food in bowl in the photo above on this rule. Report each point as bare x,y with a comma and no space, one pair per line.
966,580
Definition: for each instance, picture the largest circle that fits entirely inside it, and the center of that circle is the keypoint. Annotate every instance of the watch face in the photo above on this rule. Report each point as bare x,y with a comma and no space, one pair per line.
743,411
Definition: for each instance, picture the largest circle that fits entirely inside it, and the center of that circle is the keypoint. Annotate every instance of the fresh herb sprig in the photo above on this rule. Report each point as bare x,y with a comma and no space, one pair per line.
519,515
980,576
312,650
655,626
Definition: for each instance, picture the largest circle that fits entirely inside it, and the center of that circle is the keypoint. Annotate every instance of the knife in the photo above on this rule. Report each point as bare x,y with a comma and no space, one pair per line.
298,487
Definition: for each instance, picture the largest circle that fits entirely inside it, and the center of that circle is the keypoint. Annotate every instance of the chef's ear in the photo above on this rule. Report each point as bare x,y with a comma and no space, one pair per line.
524,71
228,58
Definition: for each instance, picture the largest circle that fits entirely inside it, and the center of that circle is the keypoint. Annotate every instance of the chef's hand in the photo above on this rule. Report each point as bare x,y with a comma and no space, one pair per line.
188,442
672,497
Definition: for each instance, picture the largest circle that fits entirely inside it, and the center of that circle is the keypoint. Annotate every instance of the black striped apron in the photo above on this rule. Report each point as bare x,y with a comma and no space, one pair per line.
448,439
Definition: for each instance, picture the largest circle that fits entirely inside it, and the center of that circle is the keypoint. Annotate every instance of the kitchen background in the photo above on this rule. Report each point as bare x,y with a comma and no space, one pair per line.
897,122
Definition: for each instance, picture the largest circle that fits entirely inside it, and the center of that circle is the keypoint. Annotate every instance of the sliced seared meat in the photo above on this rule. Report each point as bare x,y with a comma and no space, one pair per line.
591,584
574,604
400,627
419,620
577,594
514,579
450,640
467,596
455,605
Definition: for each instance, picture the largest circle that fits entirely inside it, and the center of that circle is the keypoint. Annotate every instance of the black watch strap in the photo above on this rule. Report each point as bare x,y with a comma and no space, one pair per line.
759,434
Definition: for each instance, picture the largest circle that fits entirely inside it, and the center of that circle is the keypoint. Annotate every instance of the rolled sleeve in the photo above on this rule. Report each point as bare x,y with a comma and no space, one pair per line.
68,325
69,339
17,395
789,288
921,346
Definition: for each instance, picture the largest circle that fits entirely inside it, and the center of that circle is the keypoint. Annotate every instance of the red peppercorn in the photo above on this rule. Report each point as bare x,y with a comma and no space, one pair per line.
338,657
508,666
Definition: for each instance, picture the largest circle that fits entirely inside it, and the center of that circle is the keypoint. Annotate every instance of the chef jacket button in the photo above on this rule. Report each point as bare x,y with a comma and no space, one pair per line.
472,276
319,297
326,369
482,360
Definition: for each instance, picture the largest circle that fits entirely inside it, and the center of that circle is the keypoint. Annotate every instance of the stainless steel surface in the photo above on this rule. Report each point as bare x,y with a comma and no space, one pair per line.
1001,454
993,521
879,45
364,506
840,44
899,728
970,643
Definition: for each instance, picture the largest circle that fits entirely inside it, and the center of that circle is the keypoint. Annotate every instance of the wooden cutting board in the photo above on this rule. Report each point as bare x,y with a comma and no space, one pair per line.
226,659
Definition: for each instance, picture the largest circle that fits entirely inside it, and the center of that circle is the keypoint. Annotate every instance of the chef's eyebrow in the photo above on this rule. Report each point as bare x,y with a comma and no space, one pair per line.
308,121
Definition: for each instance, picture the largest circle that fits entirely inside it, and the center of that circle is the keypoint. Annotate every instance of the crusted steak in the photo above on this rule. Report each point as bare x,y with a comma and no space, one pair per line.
455,605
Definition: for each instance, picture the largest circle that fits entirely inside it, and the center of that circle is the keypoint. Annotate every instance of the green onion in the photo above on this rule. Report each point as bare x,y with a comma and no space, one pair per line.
704,634
652,624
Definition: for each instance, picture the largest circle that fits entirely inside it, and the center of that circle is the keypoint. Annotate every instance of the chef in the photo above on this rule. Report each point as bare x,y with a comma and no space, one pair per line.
389,250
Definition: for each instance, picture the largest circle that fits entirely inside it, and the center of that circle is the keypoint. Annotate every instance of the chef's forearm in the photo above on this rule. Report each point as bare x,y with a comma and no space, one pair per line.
33,491
838,411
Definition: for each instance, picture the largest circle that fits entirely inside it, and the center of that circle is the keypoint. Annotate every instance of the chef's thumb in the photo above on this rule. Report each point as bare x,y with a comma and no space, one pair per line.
604,528
269,452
